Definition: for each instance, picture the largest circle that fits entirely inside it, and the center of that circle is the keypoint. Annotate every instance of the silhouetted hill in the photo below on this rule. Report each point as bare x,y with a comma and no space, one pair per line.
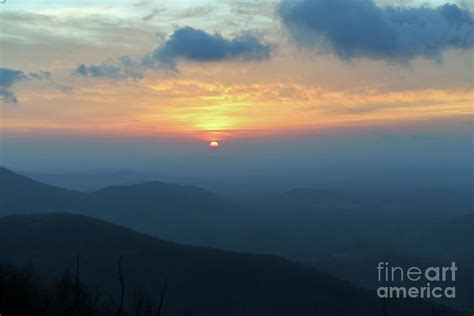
192,215
195,216
185,214
201,281
182,213
302,223
437,244
358,268
21,194
89,181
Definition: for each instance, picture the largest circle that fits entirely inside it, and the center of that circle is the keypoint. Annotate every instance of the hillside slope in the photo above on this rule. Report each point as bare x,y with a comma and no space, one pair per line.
201,281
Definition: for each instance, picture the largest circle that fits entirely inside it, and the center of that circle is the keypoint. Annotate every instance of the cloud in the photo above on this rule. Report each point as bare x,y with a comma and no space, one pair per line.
47,77
154,12
124,68
185,43
7,96
197,45
8,77
360,28
41,75
193,12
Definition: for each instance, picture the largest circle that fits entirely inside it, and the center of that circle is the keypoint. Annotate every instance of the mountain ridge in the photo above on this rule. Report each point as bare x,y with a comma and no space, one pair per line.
201,280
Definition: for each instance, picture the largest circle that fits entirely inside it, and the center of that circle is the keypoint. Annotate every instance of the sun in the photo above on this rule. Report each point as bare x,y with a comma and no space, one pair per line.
214,144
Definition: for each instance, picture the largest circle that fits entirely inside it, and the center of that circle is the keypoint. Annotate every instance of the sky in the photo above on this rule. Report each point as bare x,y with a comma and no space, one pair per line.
147,84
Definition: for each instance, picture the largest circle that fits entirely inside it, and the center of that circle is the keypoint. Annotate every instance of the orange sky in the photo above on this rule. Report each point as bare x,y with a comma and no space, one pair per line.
214,110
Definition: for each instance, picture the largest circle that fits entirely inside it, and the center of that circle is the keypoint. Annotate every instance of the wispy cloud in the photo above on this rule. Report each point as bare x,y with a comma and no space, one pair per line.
124,68
9,77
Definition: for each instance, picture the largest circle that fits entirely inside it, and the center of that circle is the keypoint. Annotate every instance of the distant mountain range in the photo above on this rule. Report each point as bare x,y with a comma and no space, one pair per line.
345,234
201,281
192,215
303,223
89,181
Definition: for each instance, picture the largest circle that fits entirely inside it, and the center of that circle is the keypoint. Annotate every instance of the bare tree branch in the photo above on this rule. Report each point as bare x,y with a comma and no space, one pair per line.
122,286
162,298
76,282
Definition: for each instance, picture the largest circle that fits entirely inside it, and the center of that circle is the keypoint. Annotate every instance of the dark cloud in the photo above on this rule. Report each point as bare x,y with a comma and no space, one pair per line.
106,70
185,43
360,28
8,77
198,45
124,68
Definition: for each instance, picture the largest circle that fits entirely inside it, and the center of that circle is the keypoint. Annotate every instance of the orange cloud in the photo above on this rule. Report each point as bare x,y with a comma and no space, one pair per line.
215,110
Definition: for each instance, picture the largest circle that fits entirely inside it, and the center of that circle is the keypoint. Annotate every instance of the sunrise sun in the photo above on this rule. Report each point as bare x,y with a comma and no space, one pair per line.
214,144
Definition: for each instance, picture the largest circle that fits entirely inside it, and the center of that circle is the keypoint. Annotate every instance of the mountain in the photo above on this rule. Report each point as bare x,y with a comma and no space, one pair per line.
185,214
191,215
358,268
343,234
21,194
306,224
89,181
182,213
437,244
201,281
